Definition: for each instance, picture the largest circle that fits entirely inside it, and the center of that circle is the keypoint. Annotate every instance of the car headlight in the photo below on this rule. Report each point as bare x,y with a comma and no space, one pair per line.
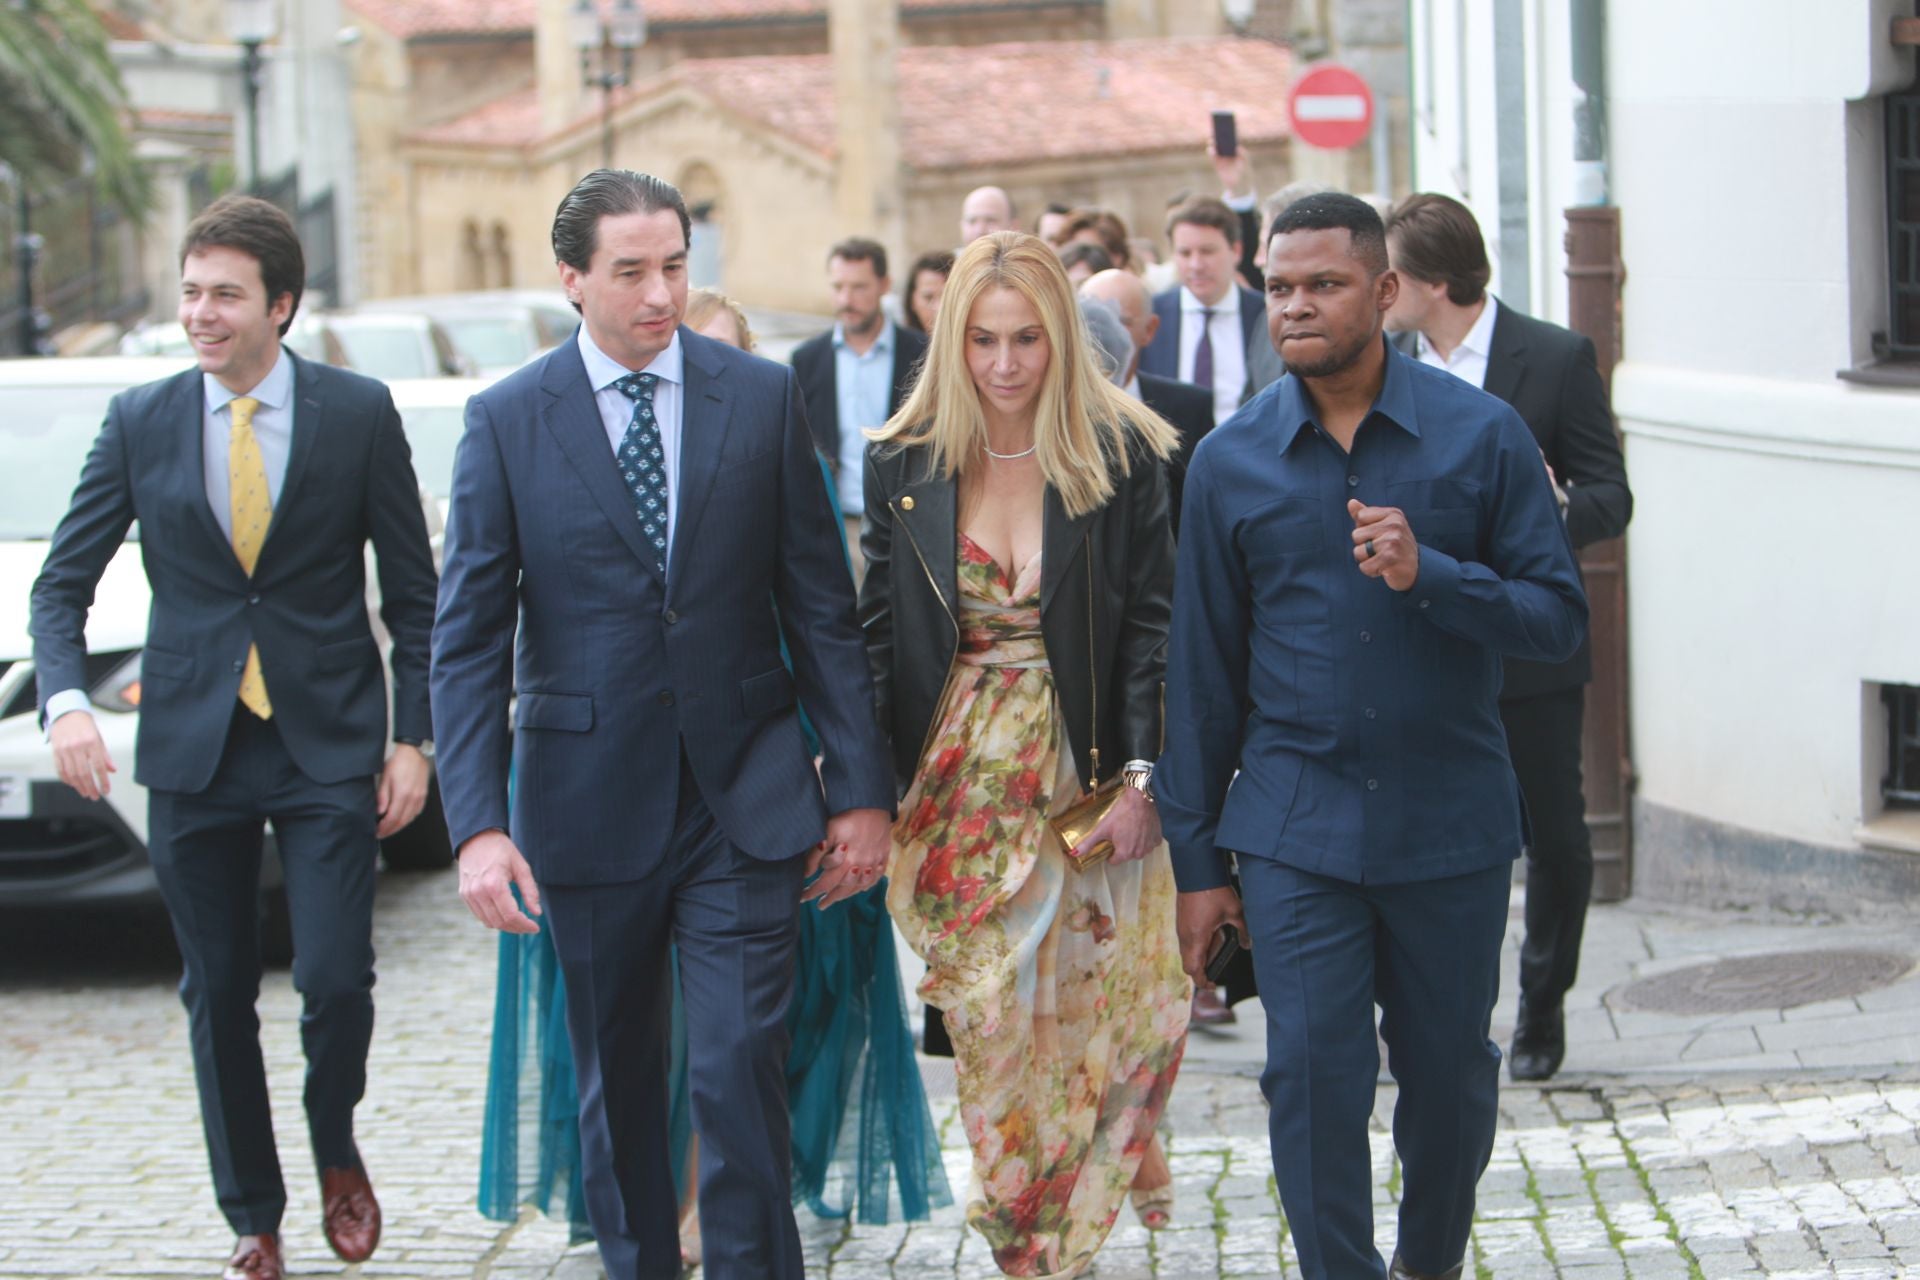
119,689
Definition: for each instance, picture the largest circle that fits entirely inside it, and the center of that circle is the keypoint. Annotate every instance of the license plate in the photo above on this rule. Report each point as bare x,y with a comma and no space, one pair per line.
16,796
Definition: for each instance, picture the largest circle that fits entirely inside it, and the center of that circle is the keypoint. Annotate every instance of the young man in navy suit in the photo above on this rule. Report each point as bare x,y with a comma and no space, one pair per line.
1209,322
627,512
262,692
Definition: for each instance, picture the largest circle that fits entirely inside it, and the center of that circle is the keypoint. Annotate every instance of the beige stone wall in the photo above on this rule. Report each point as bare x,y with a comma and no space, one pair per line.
382,112
449,78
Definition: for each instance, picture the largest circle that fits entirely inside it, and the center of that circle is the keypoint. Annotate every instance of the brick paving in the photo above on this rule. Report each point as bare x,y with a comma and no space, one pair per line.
1712,1147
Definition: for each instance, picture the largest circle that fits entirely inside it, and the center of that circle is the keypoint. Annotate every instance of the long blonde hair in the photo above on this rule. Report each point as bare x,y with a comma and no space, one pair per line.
1083,427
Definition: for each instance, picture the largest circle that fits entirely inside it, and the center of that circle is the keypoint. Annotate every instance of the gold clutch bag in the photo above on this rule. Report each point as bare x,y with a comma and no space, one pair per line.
1073,824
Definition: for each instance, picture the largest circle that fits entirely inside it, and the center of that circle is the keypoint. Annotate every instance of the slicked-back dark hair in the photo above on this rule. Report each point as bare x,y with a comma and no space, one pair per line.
1438,241
861,249
264,233
610,193
1338,211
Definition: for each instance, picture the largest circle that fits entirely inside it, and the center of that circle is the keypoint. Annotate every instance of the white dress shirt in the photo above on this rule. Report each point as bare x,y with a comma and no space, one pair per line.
1468,361
1229,348
616,409
272,427
863,391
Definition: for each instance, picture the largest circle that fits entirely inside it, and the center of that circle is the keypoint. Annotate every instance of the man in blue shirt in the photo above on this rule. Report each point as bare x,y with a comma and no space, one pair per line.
1360,547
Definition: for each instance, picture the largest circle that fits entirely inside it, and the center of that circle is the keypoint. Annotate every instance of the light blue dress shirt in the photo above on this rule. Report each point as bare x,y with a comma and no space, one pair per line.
863,392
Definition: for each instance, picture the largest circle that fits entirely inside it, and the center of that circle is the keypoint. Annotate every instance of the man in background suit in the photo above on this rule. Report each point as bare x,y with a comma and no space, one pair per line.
1209,322
624,510
857,374
1549,375
1187,407
263,699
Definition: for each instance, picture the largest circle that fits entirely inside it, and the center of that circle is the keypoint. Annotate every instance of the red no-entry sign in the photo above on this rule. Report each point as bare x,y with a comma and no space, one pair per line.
1331,108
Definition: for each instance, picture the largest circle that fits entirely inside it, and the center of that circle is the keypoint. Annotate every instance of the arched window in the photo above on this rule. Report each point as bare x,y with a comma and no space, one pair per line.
707,205
473,258
502,257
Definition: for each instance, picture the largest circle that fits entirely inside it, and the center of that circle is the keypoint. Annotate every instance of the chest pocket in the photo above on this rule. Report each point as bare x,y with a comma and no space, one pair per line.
1443,514
1285,548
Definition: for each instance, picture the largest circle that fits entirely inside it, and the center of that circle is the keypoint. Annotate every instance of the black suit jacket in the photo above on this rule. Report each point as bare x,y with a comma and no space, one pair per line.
1552,379
813,363
1190,410
305,605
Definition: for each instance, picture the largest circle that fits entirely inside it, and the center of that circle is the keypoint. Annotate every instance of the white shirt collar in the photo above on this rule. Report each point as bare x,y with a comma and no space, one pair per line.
1479,339
1190,302
274,391
603,370
1133,387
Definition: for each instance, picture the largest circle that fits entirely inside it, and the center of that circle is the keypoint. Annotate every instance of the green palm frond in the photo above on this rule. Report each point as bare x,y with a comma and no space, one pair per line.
62,102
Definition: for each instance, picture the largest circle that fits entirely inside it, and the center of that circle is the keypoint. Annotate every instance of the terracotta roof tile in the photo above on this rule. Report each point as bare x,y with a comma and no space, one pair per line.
977,106
409,18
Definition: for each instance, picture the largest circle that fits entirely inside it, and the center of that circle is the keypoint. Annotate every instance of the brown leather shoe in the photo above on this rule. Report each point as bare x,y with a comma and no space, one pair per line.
255,1258
349,1213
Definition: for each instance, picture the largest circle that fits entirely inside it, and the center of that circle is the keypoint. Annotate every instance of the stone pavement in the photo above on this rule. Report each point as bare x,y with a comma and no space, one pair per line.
1780,1142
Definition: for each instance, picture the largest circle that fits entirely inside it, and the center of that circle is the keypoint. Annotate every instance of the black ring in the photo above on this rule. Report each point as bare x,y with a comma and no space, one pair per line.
1370,551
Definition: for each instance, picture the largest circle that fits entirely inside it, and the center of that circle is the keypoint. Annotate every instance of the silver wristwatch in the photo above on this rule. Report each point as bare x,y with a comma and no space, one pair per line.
1138,774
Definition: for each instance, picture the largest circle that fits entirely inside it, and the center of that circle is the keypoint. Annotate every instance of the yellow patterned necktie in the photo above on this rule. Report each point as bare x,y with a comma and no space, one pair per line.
251,504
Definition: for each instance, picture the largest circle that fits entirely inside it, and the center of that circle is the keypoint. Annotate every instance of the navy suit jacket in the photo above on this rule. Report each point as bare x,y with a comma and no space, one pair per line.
305,605
618,672
1162,356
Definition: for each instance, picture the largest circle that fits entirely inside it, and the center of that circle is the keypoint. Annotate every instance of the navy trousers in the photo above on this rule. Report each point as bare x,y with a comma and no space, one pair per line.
1428,954
206,848
735,921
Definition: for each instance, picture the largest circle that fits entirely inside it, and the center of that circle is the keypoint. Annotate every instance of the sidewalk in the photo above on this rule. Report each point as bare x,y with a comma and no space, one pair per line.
1781,1141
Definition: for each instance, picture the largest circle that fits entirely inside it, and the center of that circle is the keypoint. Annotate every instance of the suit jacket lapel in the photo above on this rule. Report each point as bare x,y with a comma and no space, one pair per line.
1506,361
574,420
185,407
705,415
1061,540
308,401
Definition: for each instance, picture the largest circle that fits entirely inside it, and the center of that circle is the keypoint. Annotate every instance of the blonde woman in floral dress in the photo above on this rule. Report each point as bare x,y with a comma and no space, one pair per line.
1020,573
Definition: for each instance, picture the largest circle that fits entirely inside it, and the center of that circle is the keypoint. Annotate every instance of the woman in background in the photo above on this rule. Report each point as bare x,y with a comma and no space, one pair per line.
920,299
851,1068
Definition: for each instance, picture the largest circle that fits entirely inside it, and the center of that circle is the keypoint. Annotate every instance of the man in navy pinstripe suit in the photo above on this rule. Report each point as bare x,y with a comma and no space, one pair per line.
636,503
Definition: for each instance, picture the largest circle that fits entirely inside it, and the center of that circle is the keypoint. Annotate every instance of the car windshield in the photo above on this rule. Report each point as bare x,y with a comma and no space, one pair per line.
491,342
44,436
432,432
386,352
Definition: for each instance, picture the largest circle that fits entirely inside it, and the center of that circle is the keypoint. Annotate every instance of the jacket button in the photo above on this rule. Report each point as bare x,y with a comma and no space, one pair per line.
906,503
239,666
253,599
666,697
671,617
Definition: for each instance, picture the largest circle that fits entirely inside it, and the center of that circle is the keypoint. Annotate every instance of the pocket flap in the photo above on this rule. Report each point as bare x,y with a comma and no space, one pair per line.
767,693
165,665
343,655
570,712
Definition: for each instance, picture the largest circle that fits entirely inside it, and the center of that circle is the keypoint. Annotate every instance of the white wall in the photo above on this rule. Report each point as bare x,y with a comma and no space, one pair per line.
1772,567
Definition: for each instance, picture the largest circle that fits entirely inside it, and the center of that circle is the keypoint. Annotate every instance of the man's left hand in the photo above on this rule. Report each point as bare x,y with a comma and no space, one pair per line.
403,789
1383,545
851,859
1132,824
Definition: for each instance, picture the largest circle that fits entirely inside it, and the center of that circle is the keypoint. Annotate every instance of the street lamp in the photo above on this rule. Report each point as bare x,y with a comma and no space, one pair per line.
250,24
614,39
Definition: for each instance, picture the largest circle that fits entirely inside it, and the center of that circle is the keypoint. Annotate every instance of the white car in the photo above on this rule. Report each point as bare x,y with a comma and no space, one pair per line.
54,846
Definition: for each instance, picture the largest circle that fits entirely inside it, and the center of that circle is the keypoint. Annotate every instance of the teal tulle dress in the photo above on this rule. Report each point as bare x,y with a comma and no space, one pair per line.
863,1135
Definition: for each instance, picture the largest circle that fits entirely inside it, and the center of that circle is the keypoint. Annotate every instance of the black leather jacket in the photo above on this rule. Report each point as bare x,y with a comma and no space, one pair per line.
1105,599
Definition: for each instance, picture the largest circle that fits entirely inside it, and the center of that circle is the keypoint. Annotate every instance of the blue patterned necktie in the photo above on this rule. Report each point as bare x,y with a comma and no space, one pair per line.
643,464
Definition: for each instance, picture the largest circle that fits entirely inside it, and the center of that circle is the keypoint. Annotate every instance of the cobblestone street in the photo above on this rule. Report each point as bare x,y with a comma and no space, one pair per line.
1716,1169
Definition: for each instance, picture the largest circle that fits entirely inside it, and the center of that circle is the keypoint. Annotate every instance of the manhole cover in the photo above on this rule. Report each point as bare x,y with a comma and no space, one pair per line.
1778,981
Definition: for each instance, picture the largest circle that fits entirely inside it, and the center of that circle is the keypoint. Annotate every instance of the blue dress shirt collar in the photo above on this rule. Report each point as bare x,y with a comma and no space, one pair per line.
603,370
1394,403
274,392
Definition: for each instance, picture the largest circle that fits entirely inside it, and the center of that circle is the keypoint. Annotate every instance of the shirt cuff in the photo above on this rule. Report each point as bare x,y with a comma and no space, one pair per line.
64,701
1438,581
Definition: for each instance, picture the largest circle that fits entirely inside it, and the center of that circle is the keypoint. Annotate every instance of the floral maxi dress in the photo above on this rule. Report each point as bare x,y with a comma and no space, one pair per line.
1063,990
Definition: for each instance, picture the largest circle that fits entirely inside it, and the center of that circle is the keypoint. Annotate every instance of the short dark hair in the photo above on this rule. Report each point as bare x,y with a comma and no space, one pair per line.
610,193
1338,211
1438,241
1205,211
1093,255
936,260
264,233
861,249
